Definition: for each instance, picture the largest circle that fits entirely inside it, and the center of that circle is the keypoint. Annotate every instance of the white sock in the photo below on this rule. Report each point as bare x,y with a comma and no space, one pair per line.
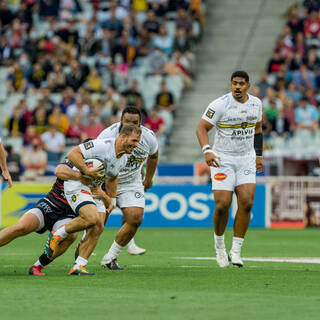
38,263
219,242
80,262
236,244
131,243
114,250
62,232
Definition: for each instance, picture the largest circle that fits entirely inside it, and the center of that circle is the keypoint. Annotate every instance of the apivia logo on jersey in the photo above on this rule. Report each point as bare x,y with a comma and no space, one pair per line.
188,206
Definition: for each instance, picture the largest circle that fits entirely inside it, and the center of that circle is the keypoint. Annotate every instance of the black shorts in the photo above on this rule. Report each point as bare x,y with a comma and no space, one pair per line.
52,214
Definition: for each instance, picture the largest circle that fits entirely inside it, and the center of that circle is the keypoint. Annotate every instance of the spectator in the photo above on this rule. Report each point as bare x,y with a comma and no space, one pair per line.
37,75
163,40
293,92
271,96
31,134
34,161
281,125
275,62
303,77
93,128
306,116
16,82
74,133
155,123
164,99
94,81
76,77
289,113
263,84
78,108
295,23
151,24
40,120
66,99
181,41
132,94
17,122
13,163
127,51
56,79
184,21
54,143
157,62
312,25
59,120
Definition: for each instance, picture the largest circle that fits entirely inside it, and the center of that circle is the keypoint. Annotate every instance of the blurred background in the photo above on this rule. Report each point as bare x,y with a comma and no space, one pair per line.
69,67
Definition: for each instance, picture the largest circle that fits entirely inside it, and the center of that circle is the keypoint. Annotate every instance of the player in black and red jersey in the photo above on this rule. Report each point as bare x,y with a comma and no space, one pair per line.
50,213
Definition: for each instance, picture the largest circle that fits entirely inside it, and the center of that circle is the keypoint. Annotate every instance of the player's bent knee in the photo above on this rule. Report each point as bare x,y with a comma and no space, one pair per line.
71,237
22,229
135,219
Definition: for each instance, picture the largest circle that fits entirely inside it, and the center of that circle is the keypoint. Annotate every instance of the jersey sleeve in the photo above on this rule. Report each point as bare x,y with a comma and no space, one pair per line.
93,149
153,143
259,119
214,110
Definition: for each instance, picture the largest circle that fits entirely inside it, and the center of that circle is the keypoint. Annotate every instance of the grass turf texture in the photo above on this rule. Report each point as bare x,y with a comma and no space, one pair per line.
159,286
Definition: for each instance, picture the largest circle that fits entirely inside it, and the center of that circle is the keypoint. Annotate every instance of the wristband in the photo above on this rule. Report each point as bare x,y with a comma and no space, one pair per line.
258,144
206,148
207,151
113,201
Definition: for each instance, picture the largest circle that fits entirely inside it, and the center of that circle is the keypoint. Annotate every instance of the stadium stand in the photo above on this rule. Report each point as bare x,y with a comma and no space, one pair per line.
68,68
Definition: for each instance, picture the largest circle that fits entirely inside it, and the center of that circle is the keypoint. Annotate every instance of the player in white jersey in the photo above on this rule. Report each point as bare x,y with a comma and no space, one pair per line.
235,157
131,187
113,152
3,165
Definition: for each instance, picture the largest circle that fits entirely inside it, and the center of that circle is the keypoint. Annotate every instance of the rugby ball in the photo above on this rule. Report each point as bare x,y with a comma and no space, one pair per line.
95,163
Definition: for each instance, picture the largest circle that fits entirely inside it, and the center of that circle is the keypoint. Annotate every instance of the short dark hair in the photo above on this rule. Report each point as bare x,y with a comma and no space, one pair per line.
131,110
128,129
240,74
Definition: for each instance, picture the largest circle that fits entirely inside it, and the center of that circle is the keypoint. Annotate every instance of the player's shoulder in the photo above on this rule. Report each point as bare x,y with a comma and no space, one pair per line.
147,133
110,131
255,100
221,101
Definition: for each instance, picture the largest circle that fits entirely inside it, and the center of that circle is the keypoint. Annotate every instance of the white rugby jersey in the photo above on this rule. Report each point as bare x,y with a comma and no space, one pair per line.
104,149
235,123
148,145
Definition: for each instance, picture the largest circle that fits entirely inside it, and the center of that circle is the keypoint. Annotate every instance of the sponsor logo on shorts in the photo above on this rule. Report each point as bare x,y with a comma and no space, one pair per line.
210,113
220,176
138,195
85,192
249,171
74,198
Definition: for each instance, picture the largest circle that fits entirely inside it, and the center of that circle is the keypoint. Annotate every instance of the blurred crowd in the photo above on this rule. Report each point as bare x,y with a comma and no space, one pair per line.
69,67
290,85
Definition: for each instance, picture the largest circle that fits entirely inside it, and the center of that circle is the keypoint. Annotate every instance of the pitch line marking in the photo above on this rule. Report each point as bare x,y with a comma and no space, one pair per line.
259,259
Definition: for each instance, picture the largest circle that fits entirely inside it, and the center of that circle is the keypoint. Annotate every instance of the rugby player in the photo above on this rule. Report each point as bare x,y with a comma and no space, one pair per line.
235,157
131,187
3,166
114,152
49,213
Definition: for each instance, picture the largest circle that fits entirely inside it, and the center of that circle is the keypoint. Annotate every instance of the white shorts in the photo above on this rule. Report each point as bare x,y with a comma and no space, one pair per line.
131,198
79,195
233,171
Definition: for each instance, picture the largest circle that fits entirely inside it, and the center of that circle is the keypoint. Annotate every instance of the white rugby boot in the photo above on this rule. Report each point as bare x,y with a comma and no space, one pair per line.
134,249
222,257
235,259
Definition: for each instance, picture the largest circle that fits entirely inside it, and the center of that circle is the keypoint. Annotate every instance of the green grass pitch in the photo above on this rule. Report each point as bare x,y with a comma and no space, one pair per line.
158,285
